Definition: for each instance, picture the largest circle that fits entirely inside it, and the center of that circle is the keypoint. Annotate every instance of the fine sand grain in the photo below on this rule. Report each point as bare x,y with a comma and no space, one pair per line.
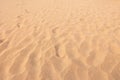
59,39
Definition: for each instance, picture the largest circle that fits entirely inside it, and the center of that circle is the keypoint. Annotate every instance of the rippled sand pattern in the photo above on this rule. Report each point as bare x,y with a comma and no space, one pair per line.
59,40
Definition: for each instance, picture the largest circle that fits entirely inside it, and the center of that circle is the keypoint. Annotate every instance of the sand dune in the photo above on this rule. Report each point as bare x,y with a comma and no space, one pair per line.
60,40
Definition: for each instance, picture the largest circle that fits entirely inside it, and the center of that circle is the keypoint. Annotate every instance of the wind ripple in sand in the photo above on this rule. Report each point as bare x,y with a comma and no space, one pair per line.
59,40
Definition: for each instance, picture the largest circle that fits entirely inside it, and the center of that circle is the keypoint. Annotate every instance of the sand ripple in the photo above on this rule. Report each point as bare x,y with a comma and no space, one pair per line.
59,40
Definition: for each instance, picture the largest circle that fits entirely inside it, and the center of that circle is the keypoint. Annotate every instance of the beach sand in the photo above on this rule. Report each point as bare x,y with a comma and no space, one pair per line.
59,40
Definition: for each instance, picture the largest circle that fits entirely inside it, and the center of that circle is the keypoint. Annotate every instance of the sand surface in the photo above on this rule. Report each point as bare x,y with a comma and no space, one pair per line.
59,39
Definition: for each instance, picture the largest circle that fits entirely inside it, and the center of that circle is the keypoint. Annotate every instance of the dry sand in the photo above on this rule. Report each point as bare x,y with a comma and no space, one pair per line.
59,40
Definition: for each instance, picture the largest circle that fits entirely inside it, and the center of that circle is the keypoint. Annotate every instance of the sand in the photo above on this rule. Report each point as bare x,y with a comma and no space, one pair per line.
59,40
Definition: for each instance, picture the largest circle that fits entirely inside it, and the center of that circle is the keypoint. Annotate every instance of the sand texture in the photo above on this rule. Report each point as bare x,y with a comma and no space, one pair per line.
59,39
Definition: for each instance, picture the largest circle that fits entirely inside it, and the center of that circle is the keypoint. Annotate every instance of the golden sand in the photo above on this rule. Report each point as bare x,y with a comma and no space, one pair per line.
59,40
